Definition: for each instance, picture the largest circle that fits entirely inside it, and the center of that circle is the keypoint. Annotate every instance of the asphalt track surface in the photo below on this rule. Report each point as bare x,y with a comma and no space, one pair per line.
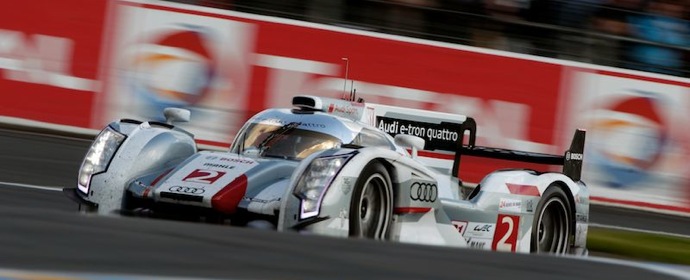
40,230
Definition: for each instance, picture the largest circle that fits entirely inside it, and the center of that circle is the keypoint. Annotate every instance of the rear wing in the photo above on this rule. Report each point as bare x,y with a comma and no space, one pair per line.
442,132
571,160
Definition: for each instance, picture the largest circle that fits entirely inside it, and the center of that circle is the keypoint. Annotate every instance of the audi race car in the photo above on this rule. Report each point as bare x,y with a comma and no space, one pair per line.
341,168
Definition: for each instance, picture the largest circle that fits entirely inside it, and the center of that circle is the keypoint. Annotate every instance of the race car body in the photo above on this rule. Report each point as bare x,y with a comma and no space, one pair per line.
341,168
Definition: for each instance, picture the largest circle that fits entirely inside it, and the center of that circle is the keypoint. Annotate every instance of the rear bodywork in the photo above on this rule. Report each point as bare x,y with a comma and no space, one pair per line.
156,169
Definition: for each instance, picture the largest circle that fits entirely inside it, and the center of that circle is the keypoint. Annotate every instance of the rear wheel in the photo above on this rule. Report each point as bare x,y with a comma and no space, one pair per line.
371,206
551,228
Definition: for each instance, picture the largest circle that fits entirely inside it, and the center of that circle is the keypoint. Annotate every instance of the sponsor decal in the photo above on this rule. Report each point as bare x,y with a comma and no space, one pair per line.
353,110
216,165
281,122
461,226
478,243
506,235
443,136
204,176
581,218
573,156
484,228
529,206
510,205
425,192
479,230
238,160
186,190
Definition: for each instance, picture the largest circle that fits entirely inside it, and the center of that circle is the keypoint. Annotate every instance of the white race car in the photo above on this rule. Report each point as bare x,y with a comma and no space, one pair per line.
341,168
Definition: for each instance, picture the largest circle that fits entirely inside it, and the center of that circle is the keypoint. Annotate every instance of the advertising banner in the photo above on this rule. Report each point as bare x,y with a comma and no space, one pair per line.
49,55
638,144
88,62
226,66
162,57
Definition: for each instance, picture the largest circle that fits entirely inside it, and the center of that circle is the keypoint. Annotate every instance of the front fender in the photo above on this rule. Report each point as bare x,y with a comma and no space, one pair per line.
147,148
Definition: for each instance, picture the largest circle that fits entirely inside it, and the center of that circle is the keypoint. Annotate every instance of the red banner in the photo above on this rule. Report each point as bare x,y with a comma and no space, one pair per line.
49,52
265,63
514,100
226,66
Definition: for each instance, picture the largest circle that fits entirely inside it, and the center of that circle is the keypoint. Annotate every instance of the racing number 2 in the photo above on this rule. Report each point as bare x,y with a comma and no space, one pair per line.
505,236
203,176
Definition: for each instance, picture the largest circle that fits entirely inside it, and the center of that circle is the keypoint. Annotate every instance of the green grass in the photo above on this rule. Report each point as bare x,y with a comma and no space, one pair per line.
640,246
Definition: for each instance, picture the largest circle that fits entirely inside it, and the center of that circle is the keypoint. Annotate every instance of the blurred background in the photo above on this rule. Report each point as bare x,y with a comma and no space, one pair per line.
647,35
89,62
80,68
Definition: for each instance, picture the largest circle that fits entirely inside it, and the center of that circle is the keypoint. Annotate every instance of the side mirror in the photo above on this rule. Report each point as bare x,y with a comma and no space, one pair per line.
251,152
410,141
176,115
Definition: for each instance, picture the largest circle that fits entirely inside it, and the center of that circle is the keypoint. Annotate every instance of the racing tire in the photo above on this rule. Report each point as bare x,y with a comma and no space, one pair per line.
371,207
551,228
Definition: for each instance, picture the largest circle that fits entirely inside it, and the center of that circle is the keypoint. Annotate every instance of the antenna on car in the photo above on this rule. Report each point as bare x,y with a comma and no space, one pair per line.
353,91
347,69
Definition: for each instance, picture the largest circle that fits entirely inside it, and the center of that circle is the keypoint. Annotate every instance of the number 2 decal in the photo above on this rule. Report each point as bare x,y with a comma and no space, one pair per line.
506,234
203,176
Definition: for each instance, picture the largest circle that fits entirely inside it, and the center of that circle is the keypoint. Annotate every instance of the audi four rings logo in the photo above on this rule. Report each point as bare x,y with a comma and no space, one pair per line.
188,190
425,192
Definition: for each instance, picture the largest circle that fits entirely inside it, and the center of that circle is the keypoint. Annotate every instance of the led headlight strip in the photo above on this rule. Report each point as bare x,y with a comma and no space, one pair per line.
99,156
315,181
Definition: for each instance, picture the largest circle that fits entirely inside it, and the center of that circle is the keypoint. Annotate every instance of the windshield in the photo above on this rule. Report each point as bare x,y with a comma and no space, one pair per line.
287,141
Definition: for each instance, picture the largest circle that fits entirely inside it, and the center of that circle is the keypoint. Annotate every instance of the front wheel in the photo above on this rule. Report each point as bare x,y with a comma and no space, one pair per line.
551,228
371,206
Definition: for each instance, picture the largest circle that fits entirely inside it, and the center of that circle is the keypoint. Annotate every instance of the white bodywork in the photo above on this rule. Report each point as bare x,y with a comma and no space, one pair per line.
158,165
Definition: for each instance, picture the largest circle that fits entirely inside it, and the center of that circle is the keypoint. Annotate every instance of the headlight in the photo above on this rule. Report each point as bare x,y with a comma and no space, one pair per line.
99,155
315,180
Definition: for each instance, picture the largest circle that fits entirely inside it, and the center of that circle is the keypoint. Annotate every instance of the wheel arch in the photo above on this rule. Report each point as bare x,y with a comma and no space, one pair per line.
146,148
390,168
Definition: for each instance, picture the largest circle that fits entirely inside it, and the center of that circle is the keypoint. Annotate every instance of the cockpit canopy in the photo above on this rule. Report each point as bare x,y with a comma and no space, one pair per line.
287,141
295,136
